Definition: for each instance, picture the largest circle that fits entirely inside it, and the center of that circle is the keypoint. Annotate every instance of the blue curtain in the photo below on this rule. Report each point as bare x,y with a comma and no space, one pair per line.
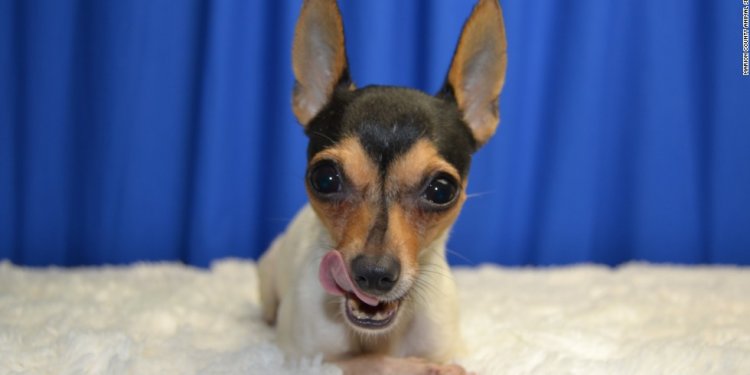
161,129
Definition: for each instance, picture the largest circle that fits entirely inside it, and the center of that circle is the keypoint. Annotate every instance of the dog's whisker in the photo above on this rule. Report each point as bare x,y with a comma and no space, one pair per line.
460,256
419,295
435,269
437,273
427,287
480,194
422,287
323,135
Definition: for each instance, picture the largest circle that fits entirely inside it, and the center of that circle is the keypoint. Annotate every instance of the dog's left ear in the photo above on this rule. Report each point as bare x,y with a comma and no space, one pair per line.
318,58
477,72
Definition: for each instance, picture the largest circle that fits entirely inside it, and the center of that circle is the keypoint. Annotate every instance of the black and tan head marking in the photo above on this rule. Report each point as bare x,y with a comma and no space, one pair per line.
387,166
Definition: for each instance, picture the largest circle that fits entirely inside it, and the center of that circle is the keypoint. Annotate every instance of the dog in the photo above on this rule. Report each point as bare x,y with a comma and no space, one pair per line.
360,275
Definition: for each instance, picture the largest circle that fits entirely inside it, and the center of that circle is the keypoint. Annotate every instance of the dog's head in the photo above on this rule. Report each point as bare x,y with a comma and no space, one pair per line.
388,166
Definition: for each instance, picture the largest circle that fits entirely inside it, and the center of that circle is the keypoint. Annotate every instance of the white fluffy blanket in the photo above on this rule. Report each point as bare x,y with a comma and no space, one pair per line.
171,319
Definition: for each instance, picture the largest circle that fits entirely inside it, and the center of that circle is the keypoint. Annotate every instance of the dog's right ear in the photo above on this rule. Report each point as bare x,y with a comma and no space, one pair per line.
318,58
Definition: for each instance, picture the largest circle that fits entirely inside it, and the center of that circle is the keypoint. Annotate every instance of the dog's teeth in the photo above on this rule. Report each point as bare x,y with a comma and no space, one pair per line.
383,312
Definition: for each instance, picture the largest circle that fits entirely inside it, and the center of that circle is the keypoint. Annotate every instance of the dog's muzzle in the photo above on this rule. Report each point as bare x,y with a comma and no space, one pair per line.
361,309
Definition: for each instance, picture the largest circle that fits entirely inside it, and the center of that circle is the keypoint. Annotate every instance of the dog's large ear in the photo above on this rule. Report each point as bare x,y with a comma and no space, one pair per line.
318,58
477,72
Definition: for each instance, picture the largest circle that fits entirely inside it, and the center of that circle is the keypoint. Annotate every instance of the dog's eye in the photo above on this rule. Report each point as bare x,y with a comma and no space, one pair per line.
440,191
325,178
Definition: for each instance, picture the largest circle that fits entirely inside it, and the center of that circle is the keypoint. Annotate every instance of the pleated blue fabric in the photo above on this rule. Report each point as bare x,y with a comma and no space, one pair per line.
161,130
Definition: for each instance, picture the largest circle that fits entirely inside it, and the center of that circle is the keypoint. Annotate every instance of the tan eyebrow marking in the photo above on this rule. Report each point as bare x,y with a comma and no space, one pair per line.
409,169
352,157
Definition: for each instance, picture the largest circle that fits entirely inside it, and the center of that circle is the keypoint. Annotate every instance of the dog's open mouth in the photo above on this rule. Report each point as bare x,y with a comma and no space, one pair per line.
370,317
361,309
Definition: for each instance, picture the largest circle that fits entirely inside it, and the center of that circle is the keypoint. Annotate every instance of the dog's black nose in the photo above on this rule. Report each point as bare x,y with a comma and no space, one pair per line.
375,274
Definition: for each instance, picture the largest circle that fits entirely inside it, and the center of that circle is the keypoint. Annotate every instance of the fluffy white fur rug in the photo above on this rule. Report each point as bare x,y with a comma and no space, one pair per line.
171,319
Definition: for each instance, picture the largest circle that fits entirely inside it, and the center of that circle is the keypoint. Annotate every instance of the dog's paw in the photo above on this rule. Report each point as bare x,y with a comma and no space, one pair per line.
379,365
433,369
420,366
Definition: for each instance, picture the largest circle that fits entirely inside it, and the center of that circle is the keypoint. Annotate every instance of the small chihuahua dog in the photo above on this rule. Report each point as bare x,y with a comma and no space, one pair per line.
360,275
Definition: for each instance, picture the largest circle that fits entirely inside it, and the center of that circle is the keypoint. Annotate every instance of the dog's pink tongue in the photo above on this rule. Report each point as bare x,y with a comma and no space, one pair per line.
336,280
